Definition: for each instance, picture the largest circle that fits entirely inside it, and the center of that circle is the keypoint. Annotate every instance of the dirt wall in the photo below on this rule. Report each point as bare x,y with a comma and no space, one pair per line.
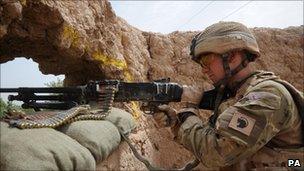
85,40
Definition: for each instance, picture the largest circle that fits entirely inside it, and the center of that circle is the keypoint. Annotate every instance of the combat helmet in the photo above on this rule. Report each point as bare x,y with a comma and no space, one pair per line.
222,38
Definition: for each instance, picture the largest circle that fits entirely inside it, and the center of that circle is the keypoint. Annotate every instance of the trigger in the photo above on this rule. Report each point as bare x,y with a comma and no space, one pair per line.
145,109
148,112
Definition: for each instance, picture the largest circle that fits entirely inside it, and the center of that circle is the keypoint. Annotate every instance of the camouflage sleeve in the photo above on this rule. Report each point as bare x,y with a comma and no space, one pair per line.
240,131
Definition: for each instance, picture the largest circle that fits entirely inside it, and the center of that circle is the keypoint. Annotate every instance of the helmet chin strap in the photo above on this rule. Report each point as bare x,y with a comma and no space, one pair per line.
221,85
228,72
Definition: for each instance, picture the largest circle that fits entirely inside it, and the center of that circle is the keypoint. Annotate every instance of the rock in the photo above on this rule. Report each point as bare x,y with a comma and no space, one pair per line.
85,40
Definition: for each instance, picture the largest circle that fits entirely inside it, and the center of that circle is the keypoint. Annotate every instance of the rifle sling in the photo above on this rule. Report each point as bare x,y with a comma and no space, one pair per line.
187,167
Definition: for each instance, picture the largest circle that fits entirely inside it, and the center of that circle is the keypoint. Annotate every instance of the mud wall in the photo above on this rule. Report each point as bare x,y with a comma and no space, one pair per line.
85,40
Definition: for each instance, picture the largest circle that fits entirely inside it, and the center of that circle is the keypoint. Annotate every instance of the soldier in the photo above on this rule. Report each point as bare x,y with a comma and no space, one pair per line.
257,120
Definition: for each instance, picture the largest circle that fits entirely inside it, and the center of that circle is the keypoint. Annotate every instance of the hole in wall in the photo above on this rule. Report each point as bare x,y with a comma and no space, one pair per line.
22,72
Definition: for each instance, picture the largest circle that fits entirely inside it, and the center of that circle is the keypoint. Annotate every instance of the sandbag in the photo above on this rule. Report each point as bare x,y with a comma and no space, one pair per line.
121,119
101,137
83,143
41,149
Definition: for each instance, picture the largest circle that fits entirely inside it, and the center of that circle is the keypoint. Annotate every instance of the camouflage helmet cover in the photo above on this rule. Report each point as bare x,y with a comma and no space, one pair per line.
223,37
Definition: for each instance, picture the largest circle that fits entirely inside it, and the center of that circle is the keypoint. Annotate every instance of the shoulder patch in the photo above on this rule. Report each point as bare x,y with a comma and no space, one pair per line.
242,123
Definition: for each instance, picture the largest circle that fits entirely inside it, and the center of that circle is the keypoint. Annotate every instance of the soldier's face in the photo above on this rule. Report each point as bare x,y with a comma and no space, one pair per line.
213,67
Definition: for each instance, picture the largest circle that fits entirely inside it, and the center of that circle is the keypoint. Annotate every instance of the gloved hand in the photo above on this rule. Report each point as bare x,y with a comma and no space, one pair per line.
169,117
191,95
166,116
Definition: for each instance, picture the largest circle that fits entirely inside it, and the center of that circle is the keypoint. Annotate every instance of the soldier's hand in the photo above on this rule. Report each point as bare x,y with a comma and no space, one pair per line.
192,95
166,116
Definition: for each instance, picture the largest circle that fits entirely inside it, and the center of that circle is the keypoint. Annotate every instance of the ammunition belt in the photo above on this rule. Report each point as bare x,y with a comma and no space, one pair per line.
45,119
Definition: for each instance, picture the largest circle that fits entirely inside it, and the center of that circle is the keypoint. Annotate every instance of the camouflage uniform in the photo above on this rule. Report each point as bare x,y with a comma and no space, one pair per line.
259,127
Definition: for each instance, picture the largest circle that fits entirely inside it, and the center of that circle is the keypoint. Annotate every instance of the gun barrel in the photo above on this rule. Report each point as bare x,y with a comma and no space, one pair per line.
34,97
43,90
9,90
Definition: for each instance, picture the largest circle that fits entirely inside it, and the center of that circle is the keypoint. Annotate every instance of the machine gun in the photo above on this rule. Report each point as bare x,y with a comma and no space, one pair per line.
103,92
152,94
